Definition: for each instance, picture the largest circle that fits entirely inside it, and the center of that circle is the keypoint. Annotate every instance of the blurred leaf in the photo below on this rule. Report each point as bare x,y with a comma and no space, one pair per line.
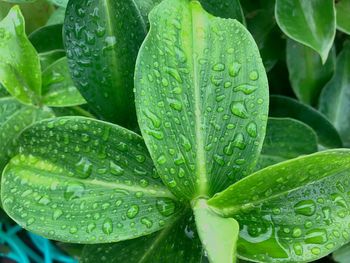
61,3
306,72
327,135
224,8
286,139
343,11
20,71
342,255
87,181
335,98
47,38
3,92
178,242
58,89
57,17
181,102
295,211
310,22
47,58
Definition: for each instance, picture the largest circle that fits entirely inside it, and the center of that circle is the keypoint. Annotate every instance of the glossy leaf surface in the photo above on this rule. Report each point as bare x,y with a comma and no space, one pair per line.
19,62
58,87
14,118
295,211
47,38
112,31
286,139
310,22
306,72
85,181
335,98
202,114
177,243
343,11
281,107
218,235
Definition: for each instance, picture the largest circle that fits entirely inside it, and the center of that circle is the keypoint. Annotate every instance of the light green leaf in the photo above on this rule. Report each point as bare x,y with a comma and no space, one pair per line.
310,22
57,17
47,38
295,211
47,58
218,235
286,139
335,97
343,11
202,114
14,118
58,87
224,9
61,3
85,181
113,31
178,242
307,75
19,62
342,255
281,107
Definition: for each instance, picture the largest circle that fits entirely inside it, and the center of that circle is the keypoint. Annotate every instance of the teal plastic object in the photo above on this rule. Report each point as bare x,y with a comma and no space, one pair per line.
14,248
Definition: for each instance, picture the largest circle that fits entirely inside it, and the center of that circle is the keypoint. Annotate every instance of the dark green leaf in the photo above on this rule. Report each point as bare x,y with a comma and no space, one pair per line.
281,106
310,22
20,71
295,211
102,40
202,114
177,243
335,98
343,11
306,72
85,181
3,92
224,9
58,87
73,111
47,38
286,139
218,234
47,58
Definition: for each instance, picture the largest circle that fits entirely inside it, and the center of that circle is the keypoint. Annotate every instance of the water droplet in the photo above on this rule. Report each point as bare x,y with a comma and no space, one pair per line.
156,122
161,159
305,207
316,236
57,214
107,226
84,168
132,211
74,190
175,104
219,159
90,227
234,69
245,88
147,222
219,67
186,143
238,109
115,169
166,207
254,75
252,129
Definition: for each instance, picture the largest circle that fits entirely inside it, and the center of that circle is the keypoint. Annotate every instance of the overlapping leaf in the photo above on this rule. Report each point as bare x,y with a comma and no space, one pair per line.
47,38
201,97
343,10
85,181
295,211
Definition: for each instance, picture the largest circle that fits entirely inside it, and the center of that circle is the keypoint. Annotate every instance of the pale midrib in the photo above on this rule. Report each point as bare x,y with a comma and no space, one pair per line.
200,154
110,185
232,210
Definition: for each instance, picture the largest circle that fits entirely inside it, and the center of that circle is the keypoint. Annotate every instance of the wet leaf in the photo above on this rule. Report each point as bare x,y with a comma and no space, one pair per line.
306,72
295,211
286,139
311,23
327,135
19,62
58,87
86,181
202,114
335,97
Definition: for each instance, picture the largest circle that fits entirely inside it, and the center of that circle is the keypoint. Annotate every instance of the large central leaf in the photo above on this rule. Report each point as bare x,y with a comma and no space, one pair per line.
202,98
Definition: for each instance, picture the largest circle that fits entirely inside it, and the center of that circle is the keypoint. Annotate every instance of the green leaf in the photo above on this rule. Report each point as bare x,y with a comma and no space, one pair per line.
86,181
342,255
18,1
343,11
178,242
281,107
61,3
202,114
311,23
3,92
113,31
295,211
57,17
224,9
47,38
307,75
19,62
218,235
73,111
58,87
286,139
335,100
48,58
14,118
